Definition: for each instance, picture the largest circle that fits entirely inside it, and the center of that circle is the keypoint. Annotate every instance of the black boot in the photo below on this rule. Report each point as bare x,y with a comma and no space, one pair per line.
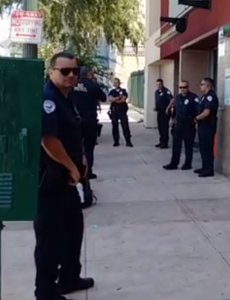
129,144
170,167
206,173
72,286
186,167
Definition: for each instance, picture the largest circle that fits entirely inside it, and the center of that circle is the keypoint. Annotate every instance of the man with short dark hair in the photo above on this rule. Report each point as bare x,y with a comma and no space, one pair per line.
185,110
163,104
118,113
86,95
59,221
207,125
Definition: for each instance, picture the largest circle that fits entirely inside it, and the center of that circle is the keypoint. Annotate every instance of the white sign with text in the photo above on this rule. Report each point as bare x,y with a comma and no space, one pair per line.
26,27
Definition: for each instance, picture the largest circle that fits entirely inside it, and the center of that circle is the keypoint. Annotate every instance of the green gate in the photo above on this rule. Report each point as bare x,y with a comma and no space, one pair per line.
21,88
136,88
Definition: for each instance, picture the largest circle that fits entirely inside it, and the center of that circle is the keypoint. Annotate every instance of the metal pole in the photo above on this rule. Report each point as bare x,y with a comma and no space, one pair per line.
1,228
30,50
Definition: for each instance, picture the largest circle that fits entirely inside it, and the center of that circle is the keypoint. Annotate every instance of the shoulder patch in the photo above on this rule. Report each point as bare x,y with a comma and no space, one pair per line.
80,87
49,106
186,101
209,98
168,92
197,100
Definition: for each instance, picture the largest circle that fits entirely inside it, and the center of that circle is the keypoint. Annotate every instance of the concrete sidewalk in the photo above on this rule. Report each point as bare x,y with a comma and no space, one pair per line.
154,235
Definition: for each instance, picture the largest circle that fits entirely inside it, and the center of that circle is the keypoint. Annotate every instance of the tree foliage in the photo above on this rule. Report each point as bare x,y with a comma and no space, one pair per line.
78,25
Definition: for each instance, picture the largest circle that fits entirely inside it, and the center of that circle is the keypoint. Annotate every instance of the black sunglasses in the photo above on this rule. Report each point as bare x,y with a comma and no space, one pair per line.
66,71
183,87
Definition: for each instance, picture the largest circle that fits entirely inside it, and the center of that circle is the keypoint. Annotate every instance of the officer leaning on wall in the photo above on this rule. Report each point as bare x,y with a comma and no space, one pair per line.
184,112
163,104
206,125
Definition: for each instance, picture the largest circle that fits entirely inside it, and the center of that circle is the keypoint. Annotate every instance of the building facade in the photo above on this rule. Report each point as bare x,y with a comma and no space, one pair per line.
202,50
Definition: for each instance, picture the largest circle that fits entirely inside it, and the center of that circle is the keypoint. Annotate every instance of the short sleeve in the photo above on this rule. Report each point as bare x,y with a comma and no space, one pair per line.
169,94
209,102
49,118
196,99
125,93
100,94
111,93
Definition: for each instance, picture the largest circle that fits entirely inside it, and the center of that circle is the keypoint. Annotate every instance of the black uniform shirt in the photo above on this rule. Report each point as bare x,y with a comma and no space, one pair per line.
118,92
86,96
61,119
209,101
186,107
162,99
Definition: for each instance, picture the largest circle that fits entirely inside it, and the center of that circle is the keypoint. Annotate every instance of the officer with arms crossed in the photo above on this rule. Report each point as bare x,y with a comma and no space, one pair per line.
163,104
59,220
86,96
207,125
185,110
118,112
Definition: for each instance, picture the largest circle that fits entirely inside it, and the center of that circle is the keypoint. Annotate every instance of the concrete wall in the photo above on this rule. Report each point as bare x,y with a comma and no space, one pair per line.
167,73
193,65
152,15
223,132
152,73
152,58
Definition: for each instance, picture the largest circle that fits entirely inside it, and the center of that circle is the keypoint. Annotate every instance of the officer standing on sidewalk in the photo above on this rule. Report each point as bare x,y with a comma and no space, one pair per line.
163,104
185,110
118,112
86,95
59,221
207,125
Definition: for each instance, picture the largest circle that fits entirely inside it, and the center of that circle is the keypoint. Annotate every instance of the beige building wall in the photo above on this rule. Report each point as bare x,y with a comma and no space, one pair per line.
152,73
167,73
152,60
223,130
126,65
193,65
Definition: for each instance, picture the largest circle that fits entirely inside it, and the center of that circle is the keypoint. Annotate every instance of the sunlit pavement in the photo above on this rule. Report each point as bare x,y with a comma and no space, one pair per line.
154,234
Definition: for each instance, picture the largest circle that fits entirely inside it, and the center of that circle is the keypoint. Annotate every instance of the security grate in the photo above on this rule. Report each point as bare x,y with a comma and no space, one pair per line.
6,190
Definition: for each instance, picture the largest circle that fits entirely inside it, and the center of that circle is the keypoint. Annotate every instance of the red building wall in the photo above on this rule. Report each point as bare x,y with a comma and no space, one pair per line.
200,21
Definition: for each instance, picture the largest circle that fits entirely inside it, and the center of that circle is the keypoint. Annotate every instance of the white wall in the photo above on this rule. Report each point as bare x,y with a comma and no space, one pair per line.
167,73
152,59
152,15
175,9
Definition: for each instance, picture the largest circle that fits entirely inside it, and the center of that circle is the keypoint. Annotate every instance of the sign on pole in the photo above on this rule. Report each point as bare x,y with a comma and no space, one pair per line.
26,27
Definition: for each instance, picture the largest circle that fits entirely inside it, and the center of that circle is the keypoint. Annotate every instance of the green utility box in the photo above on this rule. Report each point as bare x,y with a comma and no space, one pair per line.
21,87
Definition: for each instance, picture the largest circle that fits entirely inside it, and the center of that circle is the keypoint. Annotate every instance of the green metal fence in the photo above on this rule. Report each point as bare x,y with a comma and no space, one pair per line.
136,88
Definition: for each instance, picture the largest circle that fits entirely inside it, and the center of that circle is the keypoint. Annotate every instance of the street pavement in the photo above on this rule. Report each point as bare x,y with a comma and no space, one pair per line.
154,234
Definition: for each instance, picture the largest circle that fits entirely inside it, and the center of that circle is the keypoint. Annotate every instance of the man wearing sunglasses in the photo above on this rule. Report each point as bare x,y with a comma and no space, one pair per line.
185,110
59,221
163,104
207,125
86,95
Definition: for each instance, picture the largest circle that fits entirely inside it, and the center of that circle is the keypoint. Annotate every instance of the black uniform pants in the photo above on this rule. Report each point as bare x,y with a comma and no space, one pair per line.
117,115
59,231
89,134
163,127
206,134
183,133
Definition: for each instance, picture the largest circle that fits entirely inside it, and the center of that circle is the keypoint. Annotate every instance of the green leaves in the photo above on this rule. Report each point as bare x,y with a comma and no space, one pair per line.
78,25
